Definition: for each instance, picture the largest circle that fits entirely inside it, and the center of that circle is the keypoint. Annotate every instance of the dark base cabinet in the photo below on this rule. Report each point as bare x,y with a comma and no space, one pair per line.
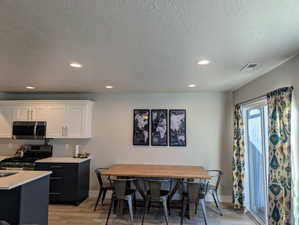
69,182
26,204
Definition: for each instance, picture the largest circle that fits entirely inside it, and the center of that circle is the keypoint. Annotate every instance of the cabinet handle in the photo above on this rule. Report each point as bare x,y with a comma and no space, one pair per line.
31,114
66,131
55,167
55,178
62,131
55,193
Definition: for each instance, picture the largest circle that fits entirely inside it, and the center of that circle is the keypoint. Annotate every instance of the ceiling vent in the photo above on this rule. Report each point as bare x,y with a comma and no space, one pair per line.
249,67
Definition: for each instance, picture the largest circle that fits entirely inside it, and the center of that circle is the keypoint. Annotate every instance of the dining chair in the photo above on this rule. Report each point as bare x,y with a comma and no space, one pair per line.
155,193
214,186
104,186
195,194
122,191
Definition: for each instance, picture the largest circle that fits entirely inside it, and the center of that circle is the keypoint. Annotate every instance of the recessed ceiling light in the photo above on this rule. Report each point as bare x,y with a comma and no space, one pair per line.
203,62
108,86
30,87
76,65
192,85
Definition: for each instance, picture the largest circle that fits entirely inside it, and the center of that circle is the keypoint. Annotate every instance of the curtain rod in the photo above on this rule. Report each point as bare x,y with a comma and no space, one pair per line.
259,97
251,100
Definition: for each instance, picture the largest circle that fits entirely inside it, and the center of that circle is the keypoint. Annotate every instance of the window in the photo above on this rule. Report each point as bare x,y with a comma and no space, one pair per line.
256,132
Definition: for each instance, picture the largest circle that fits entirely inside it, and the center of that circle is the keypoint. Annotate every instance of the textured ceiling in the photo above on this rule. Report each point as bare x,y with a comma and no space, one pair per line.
142,45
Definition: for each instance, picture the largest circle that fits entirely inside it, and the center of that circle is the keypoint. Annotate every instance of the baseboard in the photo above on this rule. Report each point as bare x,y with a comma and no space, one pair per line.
209,198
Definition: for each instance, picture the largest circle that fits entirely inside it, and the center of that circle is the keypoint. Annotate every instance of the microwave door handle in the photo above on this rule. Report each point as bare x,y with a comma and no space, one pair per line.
35,127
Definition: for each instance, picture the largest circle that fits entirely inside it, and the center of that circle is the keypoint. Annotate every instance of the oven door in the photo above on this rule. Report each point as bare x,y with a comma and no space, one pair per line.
29,129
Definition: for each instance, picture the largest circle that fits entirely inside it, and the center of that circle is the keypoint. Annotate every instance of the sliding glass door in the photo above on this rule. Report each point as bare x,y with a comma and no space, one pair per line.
256,160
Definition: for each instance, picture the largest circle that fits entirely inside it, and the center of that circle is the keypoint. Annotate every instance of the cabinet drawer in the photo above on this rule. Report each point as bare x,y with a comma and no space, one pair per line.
56,185
55,197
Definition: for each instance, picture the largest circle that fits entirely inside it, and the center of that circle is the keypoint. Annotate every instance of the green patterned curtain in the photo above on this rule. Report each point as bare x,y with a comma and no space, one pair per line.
238,159
280,177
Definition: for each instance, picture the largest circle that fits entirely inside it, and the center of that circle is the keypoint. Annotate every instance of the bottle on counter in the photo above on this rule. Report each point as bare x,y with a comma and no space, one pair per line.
77,151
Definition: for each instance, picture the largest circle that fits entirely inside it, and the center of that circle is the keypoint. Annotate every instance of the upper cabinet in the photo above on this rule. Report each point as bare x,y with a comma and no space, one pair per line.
6,118
65,119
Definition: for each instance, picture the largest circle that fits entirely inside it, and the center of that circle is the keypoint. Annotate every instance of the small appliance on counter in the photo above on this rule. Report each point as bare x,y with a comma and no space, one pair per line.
26,156
79,154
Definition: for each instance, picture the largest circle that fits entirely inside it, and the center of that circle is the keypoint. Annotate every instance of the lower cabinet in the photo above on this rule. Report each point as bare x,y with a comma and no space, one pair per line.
69,182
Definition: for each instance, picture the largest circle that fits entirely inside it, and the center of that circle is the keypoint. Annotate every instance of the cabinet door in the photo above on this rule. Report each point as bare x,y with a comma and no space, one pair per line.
76,120
6,119
22,113
54,115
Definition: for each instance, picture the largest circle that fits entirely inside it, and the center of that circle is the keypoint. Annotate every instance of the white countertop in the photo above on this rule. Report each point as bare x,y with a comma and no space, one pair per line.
22,177
2,157
62,160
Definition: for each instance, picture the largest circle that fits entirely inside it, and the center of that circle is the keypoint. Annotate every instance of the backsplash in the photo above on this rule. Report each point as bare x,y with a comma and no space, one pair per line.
63,148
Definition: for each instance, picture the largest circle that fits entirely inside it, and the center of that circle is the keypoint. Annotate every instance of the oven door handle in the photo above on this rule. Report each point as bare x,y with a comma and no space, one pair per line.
12,168
35,127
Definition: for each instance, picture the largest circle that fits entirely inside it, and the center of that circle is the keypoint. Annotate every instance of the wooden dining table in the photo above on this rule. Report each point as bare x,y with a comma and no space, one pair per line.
175,172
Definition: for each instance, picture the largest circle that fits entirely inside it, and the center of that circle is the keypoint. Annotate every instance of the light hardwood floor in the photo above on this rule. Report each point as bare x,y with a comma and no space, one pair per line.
84,215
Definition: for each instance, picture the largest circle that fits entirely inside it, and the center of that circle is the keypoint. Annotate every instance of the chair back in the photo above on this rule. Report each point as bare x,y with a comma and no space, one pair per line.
155,187
102,179
216,177
196,191
121,186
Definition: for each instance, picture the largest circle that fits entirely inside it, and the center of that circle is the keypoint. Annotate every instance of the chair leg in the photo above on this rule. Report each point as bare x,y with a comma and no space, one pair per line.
203,207
146,208
130,204
109,212
104,196
217,203
135,202
98,199
168,206
164,202
183,210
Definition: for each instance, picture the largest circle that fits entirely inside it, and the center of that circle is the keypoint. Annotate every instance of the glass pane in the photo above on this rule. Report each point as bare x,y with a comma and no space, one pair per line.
256,162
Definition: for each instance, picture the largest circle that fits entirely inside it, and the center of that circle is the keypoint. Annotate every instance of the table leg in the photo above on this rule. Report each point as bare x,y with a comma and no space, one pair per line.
120,208
191,212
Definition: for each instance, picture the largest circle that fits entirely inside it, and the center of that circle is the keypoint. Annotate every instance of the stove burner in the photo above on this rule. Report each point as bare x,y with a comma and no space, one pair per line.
34,152
21,159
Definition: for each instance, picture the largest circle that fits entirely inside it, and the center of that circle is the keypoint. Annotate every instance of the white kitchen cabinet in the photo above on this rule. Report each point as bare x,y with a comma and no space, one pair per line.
65,118
54,114
6,119
22,112
76,121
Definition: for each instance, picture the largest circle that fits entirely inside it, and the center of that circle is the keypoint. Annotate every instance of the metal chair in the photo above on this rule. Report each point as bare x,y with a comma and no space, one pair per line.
214,186
156,194
122,191
105,185
196,193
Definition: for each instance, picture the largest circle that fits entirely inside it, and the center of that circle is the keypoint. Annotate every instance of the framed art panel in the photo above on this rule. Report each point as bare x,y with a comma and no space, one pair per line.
177,127
141,127
159,127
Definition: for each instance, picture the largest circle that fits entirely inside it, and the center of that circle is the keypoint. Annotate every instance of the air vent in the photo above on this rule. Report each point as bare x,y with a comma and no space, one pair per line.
249,67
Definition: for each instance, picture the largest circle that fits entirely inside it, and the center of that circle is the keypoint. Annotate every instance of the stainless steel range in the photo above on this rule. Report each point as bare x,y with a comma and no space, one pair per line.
27,155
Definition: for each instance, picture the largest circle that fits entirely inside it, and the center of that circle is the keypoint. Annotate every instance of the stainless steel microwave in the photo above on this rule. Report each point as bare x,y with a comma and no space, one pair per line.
29,129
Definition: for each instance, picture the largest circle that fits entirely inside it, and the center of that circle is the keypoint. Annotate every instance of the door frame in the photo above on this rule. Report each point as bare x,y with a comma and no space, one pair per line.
259,103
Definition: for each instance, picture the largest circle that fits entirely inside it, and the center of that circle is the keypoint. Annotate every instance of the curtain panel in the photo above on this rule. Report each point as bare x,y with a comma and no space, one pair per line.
238,159
279,174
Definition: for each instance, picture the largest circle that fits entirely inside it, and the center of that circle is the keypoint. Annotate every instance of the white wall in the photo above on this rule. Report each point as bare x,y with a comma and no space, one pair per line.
284,75
208,131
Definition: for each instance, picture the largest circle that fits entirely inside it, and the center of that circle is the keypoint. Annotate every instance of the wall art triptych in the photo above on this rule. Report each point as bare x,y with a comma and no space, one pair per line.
168,127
